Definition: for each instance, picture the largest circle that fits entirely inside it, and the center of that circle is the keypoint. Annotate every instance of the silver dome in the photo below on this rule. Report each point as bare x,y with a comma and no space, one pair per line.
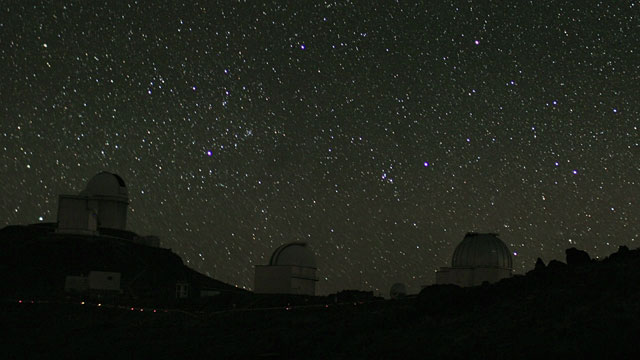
106,184
482,250
296,254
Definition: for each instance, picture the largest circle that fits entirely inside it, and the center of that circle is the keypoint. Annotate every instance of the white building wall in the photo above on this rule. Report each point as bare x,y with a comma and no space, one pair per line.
284,279
303,280
272,279
302,286
83,214
95,280
104,280
76,214
112,214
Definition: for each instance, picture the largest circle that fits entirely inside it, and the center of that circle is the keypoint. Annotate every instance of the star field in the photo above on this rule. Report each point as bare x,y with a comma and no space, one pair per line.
380,134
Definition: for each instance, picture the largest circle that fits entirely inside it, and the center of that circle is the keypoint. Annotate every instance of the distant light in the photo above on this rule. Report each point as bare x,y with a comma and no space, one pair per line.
575,172
557,163
82,303
209,153
615,110
426,164
477,42
40,218
515,253
302,46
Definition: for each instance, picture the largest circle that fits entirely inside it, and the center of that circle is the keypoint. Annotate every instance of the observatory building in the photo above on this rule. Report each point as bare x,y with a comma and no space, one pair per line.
478,258
102,204
398,291
291,270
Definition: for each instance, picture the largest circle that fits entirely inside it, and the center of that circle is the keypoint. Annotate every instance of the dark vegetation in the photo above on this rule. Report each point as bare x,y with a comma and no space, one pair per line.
572,309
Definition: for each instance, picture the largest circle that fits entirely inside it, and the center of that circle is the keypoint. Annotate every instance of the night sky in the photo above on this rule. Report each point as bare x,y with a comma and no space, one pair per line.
379,134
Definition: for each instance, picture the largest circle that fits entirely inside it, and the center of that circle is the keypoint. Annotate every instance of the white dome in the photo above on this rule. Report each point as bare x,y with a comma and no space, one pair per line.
481,250
398,290
296,254
106,184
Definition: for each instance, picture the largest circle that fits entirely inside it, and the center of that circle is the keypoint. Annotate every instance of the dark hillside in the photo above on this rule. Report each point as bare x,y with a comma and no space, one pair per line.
34,261
580,308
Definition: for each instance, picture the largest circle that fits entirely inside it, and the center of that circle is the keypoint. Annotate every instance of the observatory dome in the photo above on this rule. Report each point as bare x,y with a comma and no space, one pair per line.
397,291
481,250
296,254
108,185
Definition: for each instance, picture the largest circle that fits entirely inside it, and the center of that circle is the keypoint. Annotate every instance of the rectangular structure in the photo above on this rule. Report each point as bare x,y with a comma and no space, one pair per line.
77,215
95,280
284,279
104,280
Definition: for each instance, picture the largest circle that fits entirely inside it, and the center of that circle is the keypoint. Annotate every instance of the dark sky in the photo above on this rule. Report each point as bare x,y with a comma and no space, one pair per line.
380,134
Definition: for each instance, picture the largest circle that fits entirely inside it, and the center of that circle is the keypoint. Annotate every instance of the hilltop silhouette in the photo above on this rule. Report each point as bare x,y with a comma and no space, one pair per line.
573,308
35,261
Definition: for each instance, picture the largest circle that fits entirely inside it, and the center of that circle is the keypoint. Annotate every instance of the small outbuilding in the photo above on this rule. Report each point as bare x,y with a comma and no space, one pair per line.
104,281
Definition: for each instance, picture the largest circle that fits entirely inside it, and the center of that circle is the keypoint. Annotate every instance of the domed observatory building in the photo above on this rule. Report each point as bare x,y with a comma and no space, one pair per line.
478,258
102,204
398,291
109,192
291,270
